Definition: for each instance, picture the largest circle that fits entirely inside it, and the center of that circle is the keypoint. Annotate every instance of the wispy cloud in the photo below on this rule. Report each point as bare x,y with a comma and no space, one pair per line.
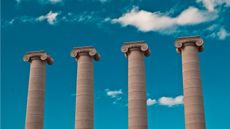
170,101
44,2
115,95
85,17
55,1
104,1
155,21
41,1
218,32
15,20
56,17
212,5
50,18
223,34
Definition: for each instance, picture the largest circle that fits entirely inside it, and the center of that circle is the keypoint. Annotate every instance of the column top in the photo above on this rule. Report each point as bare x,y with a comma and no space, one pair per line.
42,55
90,50
197,41
127,46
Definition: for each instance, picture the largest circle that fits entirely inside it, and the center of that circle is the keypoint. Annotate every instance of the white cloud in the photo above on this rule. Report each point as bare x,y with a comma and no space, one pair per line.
154,21
116,96
50,17
144,21
211,5
223,34
113,93
15,20
151,102
218,32
170,101
84,17
193,15
57,17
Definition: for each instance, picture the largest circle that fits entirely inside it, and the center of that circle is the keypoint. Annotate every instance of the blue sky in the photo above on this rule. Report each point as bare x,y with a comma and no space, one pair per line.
59,25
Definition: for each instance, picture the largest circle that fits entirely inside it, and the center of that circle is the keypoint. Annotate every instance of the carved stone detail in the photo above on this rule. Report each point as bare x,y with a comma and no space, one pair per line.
189,41
126,48
42,55
91,51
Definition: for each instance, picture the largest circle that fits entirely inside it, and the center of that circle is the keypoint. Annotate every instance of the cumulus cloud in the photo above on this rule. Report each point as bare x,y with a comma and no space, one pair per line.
151,102
211,5
192,16
50,17
154,21
170,101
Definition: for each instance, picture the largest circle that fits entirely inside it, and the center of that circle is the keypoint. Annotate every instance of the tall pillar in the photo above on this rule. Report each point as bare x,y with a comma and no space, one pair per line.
193,99
137,114
84,116
36,91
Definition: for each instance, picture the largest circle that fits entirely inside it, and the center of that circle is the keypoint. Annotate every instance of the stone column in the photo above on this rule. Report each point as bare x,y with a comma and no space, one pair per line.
84,116
137,114
193,99
36,91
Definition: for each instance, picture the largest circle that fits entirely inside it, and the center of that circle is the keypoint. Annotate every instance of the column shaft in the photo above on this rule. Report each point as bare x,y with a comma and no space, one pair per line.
137,115
85,93
35,100
193,99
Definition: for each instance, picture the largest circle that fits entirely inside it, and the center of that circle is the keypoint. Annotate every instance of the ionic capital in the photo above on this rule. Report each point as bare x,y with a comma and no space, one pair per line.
141,45
42,55
89,50
189,41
